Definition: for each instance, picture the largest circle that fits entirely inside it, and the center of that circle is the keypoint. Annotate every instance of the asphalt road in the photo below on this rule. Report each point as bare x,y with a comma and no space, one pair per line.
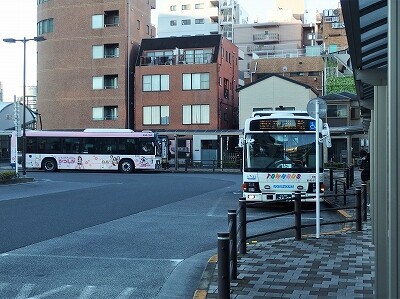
110,235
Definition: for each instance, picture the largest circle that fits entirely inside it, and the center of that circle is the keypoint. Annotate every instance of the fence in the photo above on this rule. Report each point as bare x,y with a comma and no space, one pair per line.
212,164
229,244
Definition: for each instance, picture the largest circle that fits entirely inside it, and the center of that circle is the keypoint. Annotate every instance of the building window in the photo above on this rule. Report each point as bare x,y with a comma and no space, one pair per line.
296,74
337,111
186,7
45,26
199,6
105,51
108,19
186,22
195,114
199,21
314,74
155,82
97,21
196,81
105,113
172,8
105,82
173,23
156,115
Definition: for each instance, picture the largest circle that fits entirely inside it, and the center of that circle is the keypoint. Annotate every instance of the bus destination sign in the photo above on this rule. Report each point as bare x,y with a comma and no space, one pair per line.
286,124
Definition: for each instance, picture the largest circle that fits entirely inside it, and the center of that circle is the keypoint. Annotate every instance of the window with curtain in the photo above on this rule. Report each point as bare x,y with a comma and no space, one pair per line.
155,82
196,81
156,115
98,82
97,21
195,114
98,51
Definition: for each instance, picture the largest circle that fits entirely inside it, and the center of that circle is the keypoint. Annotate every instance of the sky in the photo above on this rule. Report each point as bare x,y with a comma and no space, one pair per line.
18,20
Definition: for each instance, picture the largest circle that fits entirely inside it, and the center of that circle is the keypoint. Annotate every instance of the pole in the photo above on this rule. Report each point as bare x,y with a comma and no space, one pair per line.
317,180
24,114
176,152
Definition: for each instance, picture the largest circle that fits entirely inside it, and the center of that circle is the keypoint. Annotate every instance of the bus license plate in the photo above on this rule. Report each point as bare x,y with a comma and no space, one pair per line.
283,196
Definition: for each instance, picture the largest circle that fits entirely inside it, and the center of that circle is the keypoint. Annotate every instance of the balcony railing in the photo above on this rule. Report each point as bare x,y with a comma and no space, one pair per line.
177,59
271,37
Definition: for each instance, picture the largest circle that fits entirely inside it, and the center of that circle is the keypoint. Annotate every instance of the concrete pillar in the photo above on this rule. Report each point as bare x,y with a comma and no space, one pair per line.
393,148
379,196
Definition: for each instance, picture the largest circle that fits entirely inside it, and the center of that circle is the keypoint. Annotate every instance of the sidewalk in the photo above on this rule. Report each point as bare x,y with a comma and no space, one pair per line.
337,265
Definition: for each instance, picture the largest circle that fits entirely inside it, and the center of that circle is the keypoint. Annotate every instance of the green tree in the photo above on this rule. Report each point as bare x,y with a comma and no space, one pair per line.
340,84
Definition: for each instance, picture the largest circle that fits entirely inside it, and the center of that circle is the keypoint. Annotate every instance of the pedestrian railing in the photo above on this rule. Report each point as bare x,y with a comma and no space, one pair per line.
235,240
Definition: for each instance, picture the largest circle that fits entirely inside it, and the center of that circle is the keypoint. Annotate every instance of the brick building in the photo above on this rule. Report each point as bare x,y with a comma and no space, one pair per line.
186,83
187,86
85,66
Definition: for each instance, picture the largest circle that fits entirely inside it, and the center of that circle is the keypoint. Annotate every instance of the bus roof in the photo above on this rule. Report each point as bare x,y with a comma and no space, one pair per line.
90,133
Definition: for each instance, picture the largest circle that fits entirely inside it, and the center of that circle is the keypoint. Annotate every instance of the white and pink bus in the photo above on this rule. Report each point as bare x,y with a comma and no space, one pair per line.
93,149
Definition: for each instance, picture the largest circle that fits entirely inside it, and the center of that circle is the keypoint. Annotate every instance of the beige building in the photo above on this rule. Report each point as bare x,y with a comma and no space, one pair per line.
85,66
271,92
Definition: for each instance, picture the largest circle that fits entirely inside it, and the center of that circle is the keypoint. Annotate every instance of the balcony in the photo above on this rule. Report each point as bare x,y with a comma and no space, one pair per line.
204,58
214,3
259,49
266,38
226,4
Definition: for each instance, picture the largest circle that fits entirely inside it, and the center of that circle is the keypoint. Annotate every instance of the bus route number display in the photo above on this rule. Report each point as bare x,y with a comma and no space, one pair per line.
288,124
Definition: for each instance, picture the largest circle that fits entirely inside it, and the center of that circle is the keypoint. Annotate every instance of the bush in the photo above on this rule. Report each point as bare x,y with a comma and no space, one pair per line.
7,176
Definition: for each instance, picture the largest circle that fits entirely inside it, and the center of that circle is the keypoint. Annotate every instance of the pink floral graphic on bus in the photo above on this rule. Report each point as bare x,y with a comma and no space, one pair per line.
284,176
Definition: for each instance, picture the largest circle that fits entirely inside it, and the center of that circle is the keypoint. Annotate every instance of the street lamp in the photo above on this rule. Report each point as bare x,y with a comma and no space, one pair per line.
24,40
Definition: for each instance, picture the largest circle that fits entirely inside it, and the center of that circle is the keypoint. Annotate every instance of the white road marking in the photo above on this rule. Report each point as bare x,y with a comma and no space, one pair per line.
27,289
87,292
126,293
177,261
3,285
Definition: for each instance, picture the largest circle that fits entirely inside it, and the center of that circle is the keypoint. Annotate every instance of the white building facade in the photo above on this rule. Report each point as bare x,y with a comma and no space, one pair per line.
199,17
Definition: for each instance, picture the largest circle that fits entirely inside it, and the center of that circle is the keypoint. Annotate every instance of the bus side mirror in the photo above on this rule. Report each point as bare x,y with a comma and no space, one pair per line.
326,136
241,142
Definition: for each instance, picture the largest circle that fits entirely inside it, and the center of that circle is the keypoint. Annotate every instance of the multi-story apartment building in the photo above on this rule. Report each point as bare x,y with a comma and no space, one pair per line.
194,17
305,58
187,85
85,66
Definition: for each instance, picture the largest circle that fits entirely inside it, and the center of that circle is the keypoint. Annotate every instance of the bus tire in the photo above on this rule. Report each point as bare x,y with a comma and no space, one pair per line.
126,166
49,164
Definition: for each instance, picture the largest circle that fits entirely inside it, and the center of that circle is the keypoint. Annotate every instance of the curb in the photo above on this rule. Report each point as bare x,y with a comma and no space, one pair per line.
202,290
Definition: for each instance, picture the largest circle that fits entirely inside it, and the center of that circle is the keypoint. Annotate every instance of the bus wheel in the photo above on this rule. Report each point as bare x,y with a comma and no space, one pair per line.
126,166
49,164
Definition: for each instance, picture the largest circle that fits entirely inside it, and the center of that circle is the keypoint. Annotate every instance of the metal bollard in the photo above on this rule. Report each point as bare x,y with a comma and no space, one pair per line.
347,178
336,190
297,214
364,201
233,242
242,225
358,209
344,194
224,282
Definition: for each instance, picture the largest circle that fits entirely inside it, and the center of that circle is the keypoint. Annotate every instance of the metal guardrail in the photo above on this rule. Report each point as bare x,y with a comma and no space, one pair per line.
229,245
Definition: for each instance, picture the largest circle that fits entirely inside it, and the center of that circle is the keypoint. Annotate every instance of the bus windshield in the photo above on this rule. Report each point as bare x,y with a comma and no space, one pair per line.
267,152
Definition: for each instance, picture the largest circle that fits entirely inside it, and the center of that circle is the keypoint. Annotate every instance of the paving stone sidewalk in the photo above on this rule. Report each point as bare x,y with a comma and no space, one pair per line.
333,266
337,265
